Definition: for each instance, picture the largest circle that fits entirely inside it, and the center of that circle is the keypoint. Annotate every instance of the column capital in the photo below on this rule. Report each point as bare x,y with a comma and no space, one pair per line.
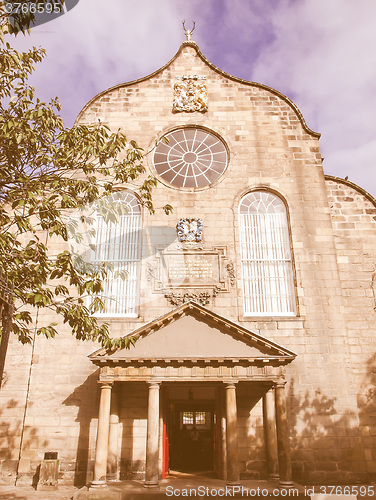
279,383
105,384
230,383
154,383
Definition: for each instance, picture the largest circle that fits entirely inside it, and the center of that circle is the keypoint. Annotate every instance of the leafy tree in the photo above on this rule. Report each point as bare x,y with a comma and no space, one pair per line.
46,171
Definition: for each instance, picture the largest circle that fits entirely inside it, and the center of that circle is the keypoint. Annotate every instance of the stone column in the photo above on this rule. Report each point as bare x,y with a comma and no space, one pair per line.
112,461
152,439
231,435
160,441
284,452
101,451
270,431
223,437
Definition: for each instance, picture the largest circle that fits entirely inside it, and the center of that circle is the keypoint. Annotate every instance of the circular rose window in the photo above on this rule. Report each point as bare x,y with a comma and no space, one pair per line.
191,158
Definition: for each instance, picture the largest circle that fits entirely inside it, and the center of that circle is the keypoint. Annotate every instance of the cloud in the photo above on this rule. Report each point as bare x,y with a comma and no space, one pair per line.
319,53
100,44
322,57
356,163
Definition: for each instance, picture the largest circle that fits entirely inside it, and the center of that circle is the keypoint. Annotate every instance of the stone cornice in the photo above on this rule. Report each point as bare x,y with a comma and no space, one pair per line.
260,361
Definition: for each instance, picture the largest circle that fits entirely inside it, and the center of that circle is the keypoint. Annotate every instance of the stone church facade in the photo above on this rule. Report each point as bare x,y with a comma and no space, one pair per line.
252,304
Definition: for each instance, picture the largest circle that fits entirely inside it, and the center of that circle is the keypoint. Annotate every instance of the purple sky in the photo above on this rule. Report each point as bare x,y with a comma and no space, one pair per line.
320,53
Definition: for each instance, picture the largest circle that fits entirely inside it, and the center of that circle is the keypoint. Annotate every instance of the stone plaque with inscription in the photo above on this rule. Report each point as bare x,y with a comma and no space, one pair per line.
185,269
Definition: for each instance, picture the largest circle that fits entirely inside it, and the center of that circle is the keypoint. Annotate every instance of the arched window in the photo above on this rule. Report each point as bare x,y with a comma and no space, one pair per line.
118,244
268,283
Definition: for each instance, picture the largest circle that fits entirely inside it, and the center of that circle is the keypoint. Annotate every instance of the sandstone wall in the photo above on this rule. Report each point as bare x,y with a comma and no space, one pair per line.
354,223
333,246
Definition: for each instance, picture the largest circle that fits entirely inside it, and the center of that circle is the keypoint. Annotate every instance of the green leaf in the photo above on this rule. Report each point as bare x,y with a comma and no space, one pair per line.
47,171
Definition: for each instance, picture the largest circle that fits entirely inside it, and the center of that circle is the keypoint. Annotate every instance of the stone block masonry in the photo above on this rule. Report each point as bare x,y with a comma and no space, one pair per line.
50,398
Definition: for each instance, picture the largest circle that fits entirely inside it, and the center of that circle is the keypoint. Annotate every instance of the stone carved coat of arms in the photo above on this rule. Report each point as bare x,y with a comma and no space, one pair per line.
189,230
190,94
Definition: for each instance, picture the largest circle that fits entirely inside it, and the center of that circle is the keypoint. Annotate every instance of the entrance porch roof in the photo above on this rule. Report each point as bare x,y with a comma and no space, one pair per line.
195,335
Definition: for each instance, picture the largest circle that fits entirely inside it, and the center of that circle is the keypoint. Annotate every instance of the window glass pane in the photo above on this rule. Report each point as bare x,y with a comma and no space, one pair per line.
118,244
200,418
268,285
188,418
192,158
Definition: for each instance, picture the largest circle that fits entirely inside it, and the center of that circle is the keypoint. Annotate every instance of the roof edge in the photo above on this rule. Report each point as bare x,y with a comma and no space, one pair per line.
190,43
360,190
133,82
261,86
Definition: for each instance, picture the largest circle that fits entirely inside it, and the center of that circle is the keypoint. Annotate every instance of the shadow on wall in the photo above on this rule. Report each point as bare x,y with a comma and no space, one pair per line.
10,439
86,398
367,415
133,419
326,446
252,456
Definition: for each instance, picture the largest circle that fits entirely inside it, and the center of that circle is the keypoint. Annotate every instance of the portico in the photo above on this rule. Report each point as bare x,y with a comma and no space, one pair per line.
192,362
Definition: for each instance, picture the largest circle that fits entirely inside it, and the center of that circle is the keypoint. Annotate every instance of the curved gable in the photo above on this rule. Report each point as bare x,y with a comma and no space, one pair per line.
352,207
258,88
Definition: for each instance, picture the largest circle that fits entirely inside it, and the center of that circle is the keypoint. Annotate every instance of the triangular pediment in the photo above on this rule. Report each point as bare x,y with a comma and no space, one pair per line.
192,332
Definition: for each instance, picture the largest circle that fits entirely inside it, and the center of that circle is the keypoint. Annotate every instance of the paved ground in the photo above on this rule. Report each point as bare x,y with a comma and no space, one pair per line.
134,490
28,492
130,489
189,486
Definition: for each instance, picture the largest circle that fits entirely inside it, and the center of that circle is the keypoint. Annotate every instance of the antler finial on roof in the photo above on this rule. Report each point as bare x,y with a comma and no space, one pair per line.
188,33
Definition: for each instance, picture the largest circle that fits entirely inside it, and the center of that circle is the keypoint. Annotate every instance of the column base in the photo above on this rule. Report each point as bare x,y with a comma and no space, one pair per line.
45,487
151,484
98,485
112,477
286,484
233,483
273,477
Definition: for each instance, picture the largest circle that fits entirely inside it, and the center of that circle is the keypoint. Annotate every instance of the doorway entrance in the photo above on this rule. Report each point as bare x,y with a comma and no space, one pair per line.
192,438
192,442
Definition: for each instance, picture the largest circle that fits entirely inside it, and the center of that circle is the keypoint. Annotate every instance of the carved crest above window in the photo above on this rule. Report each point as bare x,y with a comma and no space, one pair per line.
190,94
189,230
